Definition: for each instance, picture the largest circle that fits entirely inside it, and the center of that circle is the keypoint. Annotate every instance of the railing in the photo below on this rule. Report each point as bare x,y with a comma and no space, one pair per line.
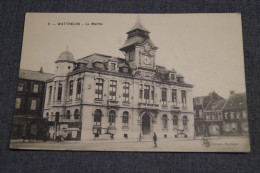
148,105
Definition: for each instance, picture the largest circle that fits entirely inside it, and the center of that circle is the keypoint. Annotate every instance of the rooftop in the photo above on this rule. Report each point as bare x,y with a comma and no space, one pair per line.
35,75
65,56
236,101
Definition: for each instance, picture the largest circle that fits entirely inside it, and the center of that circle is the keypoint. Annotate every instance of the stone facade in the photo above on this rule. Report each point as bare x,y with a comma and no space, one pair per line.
105,97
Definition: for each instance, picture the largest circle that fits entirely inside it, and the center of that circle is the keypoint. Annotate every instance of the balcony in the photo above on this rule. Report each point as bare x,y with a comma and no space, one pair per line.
175,107
113,103
62,120
148,105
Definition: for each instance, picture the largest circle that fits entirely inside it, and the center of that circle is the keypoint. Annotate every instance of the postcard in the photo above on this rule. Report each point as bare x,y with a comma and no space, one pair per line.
131,82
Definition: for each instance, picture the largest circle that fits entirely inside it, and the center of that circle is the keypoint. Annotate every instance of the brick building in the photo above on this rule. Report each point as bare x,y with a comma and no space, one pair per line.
28,120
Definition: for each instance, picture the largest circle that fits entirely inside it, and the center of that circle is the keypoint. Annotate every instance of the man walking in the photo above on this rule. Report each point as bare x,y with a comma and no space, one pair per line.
154,139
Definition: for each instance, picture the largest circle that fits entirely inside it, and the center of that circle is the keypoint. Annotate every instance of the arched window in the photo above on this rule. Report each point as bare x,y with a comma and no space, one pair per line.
175,121
185,121
112,117
97,117
76,114
165,121
125,118
68,114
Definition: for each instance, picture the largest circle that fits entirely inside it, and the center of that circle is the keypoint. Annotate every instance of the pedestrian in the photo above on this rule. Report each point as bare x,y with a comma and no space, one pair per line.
154,139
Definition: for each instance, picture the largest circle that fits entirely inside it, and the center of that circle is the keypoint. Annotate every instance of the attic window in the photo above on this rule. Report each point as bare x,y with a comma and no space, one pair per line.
172,77
113,66
180,79
125,70
97,64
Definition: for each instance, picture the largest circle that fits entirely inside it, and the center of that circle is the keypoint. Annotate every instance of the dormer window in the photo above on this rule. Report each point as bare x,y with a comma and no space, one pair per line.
113,66
180,78
98,64
172,77
125,70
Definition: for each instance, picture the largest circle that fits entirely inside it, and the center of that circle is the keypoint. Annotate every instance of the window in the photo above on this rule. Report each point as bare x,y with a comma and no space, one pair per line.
244,114
20,86
165,121
147,93
231,115
76,114
132,55
219,116
59,91
18,103
78,94
183,98
112,88
50,93
152,94
99,89
208,116
172,77
200,114
35,88
125,118
175,121
97,117
126,91
125,70
112,118
185,121
54,92
33,104
68,114
174,96
113,66
70,89
164,96
226,116
141,93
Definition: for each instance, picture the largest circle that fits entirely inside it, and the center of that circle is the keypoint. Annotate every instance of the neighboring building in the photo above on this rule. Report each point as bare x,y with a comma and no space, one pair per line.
28,121
213,117
199,104
100,96
235,115
208,114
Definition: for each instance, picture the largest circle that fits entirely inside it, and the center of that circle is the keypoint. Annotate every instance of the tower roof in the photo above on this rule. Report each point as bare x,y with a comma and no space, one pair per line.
138,25
65,56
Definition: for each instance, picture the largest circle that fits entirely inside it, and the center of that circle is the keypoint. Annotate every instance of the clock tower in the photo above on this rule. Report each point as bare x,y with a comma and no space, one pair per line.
139,49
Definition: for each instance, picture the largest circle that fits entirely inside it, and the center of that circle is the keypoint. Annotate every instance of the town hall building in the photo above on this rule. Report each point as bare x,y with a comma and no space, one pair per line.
106,97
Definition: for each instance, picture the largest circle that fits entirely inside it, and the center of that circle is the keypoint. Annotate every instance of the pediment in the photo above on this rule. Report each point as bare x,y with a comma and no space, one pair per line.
148,44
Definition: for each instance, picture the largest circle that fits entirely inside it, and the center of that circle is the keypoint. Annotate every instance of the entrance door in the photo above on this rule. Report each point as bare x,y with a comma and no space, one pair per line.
146,124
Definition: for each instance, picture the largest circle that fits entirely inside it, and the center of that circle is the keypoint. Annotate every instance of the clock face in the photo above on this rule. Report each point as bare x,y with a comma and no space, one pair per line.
146,60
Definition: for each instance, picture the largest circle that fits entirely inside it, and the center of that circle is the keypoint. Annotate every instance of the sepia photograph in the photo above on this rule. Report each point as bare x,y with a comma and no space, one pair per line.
131,82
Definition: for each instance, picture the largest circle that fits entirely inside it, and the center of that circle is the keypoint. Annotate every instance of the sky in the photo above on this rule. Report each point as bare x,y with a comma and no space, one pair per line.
206,49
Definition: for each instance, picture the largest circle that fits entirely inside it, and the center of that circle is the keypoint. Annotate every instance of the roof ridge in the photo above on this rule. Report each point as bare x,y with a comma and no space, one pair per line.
36,71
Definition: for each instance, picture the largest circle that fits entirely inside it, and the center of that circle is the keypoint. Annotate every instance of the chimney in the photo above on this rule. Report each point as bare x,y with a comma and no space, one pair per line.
232,92
41,70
